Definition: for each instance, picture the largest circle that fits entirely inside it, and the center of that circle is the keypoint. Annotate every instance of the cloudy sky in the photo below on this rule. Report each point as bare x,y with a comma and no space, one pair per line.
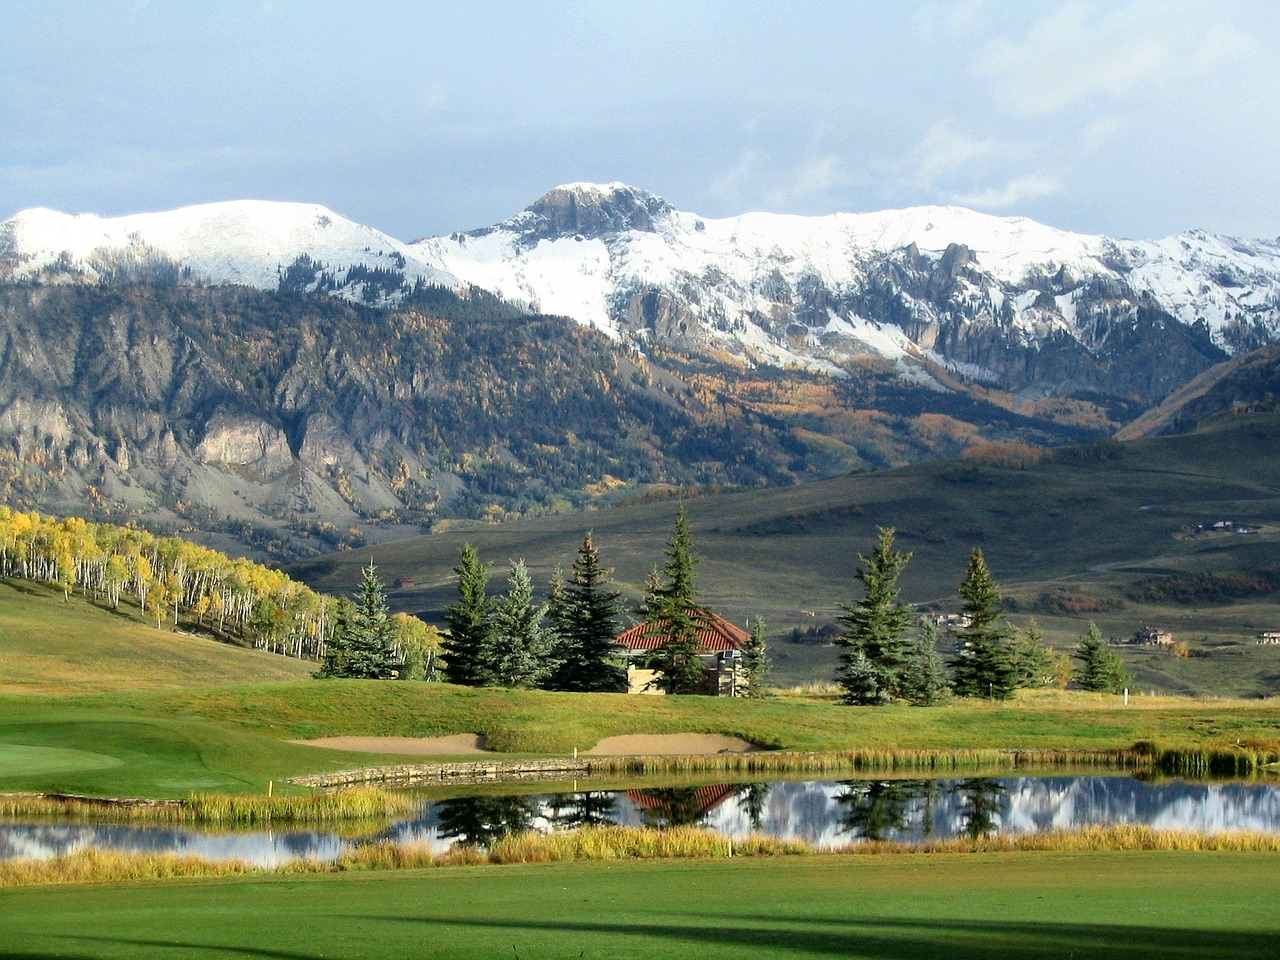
1133,119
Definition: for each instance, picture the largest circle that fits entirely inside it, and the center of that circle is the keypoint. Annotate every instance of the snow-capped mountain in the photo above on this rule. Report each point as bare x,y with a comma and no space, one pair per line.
261,244
1001,300
962,289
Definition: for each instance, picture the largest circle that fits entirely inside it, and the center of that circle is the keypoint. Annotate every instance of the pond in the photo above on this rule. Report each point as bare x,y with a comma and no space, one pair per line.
822,812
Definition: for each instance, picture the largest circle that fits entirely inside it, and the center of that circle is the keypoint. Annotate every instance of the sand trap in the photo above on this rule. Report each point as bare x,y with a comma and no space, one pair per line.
419,746
669,744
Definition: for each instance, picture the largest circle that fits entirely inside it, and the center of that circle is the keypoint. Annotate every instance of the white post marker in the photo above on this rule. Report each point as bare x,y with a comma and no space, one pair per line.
1126,696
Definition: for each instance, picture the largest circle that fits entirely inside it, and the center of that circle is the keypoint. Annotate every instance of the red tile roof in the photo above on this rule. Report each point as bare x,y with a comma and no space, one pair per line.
704,799
715,636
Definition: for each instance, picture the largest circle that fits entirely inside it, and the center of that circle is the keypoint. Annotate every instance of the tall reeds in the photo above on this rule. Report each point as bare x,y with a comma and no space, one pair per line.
617,843
356,803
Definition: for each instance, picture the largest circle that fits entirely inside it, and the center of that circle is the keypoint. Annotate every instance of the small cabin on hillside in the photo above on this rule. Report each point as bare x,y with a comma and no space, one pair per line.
1269,637
720,646
1153,637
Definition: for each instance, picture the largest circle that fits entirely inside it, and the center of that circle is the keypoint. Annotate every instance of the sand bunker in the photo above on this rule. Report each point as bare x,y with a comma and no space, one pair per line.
669,744
459,743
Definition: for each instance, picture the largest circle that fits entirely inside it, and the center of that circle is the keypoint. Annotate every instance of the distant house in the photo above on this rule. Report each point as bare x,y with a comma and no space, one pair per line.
1153,637
1269,636
720,646
403,583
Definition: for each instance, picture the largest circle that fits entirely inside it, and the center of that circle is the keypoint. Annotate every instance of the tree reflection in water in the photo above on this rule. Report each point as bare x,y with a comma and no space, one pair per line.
752,798
982,802
680,806
591,809
479,821
872,809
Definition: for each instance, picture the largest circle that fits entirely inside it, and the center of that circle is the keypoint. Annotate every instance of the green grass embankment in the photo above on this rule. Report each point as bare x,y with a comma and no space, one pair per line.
233,739
1016,906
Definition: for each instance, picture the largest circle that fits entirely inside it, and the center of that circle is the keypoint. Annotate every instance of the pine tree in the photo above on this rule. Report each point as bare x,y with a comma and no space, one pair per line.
334,662
876,628
673,613
984,667
467,621
584,615
517,647
925,678
756,661
1032,659
370,632
1102,670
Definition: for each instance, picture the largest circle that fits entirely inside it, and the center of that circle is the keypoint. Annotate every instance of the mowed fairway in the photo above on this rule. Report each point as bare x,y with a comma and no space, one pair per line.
1032,906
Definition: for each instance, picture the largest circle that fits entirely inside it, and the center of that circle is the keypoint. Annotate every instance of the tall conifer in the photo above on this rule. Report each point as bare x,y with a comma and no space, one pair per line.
984,667
673,614
467,621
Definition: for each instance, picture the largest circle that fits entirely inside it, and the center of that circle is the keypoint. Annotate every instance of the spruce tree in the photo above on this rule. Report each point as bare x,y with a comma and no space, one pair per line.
756,661
925,678
1032,659
334,661
673,613
1102,669
876,628
517,648
370,633
467,621
584,615
984,667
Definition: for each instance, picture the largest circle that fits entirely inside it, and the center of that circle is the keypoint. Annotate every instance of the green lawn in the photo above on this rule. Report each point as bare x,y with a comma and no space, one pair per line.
1017,906
48,645
234,739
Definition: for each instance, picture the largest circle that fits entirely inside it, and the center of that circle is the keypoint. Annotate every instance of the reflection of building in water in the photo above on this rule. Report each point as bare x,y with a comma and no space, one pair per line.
681,806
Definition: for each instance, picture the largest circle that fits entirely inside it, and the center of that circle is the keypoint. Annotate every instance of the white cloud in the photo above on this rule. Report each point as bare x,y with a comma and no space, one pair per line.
946,150
811,178
1017,191
1082,51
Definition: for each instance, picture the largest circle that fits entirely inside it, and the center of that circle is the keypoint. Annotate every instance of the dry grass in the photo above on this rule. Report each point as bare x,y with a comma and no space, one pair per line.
615,843
356,803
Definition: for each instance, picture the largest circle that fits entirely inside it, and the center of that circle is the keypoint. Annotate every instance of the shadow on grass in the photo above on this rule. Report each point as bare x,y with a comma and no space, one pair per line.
172,947
903,939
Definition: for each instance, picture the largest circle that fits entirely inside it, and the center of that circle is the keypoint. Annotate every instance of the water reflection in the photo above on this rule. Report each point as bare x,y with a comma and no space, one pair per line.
824,813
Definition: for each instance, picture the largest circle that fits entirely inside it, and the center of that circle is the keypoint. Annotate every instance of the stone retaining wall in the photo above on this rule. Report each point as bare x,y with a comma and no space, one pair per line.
468,771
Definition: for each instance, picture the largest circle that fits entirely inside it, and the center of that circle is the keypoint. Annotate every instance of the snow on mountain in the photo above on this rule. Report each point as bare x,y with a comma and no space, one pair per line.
795,289
986,297
249,242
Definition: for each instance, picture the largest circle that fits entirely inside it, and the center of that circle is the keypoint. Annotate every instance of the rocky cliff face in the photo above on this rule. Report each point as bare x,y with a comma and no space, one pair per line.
1001,301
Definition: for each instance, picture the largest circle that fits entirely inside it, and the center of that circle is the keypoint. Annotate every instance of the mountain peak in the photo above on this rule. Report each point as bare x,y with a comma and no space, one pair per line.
596,209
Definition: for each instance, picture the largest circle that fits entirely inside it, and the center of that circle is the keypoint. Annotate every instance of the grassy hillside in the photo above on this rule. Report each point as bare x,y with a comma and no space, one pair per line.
234,739
1095,522
48,645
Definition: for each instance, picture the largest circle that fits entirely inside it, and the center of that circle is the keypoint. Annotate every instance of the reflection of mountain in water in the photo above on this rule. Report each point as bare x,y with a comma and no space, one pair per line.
821,812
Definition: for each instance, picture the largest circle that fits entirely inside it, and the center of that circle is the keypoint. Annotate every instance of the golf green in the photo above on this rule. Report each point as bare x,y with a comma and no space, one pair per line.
1019,906
29,760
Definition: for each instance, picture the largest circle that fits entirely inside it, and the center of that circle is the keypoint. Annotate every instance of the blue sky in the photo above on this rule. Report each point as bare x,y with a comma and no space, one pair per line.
1135,118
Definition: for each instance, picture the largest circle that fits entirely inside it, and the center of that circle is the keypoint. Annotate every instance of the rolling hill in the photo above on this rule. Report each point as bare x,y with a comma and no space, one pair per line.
1104,531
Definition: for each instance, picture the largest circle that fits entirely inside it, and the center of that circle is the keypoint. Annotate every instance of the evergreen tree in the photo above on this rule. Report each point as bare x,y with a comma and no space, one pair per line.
1032,659
467,621
370,631
1102,669
584,615
876,628
756,661
334,662
984,667
673,613
925,678
517,649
